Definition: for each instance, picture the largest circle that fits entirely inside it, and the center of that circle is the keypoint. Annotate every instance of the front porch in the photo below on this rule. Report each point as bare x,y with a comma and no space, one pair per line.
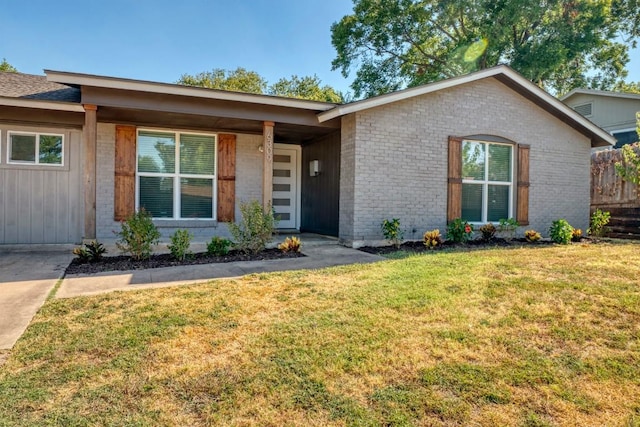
269,149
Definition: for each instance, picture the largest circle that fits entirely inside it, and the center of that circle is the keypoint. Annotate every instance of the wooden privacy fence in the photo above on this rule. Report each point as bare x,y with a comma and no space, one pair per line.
610,193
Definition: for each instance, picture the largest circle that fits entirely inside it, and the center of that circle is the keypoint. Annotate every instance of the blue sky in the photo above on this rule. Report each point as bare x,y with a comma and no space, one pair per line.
160,40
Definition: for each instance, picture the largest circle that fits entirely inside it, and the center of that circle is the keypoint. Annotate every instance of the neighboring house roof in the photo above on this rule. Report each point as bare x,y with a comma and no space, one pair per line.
182,90
29,86
502,73
601,93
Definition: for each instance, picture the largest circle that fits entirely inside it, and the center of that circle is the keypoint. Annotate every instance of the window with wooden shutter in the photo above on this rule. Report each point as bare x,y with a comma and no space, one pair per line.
454,180
226,177
522,209
125,172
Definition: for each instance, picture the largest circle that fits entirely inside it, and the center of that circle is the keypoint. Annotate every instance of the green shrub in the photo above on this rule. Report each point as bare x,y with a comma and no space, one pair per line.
138,235
256,228
459,231
599,221
561,231
432,239
180,243
290,244
218,246
488,231
90,252
392,231
508,227
532,236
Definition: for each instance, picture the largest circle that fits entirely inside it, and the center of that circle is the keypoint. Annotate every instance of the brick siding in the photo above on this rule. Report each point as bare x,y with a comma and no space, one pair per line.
394,160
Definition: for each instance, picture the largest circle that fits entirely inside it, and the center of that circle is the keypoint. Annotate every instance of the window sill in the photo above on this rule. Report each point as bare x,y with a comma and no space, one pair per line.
185,223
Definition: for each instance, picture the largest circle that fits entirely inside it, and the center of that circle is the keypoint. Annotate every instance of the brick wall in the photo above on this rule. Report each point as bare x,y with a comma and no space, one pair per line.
248,187
394,160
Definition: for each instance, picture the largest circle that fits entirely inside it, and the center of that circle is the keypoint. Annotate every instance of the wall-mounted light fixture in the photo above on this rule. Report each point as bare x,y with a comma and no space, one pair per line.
261,148
314,168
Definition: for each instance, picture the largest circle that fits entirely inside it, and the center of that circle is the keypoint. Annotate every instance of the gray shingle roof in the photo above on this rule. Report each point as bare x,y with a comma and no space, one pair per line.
18,85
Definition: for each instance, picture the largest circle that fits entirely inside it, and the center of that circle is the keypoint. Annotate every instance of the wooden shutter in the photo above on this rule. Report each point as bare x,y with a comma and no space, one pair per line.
125,172
226,177
454,183
522,208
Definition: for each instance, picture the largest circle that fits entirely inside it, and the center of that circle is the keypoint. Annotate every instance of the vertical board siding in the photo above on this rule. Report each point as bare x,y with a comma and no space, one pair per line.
321,194
42,205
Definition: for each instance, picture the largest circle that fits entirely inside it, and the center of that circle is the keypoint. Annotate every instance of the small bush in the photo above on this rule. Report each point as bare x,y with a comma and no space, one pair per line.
576,235
392,231
599,221
508,227
290,244
561,231
255,229
180,243
488,231
532,236
218,246
138,235
90,252
432,239
459,231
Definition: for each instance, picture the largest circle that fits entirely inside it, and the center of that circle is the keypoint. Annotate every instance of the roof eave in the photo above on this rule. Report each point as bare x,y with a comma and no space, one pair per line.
76,79
40,104
598,136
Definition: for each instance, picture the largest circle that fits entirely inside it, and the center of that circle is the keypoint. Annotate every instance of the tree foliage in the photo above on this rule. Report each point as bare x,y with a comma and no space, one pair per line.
629,168
309,87
238,80
557,44
242,80
629,87
5,66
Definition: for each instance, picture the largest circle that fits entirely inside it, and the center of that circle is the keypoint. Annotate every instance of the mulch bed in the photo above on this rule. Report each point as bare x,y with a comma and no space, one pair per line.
120,263
419,247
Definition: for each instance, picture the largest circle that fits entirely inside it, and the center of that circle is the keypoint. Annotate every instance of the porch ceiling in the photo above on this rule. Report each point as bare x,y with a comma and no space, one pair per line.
284,132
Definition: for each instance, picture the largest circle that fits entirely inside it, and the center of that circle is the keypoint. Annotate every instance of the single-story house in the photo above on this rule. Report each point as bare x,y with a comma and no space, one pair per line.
78,153
614,112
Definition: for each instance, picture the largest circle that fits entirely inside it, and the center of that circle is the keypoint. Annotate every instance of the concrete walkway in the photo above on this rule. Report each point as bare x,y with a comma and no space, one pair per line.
26,278
319,256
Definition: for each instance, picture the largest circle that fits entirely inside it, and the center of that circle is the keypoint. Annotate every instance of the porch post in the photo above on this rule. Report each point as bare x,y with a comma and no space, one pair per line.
267,163
89,133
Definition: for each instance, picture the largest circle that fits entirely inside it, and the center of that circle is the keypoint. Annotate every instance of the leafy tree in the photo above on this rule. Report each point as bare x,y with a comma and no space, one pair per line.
557,44
629,168
5,66
238,80
305,88
629,87
242,80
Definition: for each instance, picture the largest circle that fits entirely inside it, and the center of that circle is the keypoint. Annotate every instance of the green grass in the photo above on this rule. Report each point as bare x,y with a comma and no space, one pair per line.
537,336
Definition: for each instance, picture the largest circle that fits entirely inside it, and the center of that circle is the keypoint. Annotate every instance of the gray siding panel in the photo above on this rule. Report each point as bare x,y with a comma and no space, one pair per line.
41,204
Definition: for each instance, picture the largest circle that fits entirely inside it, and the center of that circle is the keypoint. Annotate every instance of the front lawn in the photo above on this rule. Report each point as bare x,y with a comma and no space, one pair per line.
535,336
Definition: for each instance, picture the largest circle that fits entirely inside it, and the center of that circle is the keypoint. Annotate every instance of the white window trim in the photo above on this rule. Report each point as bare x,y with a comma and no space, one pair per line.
485,182
176,175
37,149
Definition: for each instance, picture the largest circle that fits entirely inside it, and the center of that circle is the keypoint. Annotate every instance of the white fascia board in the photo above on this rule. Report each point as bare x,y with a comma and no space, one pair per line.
175,89
456,81
40,104
406,93
605,93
